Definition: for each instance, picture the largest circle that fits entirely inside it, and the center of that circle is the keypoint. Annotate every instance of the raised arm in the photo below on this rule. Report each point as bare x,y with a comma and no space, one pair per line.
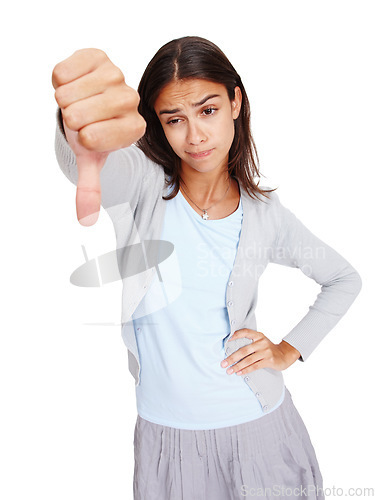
99,114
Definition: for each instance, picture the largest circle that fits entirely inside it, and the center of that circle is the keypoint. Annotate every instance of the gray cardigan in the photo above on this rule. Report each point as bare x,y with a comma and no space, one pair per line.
132,189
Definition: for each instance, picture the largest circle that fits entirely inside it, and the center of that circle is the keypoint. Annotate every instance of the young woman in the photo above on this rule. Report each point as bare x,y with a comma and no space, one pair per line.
215,420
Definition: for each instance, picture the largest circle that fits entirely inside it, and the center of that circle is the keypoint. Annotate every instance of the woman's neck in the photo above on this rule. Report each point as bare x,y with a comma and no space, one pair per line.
205,188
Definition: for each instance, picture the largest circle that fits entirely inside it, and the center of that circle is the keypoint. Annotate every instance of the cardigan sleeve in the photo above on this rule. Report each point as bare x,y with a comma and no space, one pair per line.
296,246
120,178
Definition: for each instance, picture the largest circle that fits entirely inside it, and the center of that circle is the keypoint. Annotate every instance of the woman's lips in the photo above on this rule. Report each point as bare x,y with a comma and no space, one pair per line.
202,154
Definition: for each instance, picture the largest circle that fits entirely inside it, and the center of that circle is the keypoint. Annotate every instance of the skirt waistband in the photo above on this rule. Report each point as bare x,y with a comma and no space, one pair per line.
248,439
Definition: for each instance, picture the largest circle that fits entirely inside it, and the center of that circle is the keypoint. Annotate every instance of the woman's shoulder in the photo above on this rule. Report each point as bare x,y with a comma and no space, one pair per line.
263,199
136,156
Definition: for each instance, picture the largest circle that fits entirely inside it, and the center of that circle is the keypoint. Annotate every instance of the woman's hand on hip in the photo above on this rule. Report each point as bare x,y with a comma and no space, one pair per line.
261,353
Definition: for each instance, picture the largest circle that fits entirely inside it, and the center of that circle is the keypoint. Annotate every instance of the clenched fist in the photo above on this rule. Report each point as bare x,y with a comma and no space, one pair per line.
100,115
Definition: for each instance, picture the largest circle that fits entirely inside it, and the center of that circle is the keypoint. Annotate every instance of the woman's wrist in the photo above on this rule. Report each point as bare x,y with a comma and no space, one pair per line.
291,353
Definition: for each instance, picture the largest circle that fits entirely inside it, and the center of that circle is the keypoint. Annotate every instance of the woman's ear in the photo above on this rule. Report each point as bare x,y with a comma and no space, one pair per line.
236,103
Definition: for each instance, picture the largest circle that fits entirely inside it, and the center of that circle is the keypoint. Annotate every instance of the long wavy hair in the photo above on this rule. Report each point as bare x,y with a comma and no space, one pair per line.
194,57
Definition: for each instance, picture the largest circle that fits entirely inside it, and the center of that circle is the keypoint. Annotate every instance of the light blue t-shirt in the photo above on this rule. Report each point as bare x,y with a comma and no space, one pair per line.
181,325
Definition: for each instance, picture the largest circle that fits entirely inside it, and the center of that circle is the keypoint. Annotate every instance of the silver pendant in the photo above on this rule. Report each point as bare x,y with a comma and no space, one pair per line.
205,215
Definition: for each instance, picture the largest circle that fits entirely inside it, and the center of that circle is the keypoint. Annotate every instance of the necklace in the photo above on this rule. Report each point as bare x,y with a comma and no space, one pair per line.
205,215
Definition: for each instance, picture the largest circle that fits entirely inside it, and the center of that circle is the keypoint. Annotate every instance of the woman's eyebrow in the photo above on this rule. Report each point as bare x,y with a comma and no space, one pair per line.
177,110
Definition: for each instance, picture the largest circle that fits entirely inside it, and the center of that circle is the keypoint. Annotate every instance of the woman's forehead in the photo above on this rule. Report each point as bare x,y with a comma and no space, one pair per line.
189,92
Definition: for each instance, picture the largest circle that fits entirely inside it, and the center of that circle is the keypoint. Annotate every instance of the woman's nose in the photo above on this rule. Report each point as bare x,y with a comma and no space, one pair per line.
195,135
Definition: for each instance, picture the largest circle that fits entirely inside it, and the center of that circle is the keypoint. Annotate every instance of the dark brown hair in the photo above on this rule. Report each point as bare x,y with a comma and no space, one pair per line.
187,58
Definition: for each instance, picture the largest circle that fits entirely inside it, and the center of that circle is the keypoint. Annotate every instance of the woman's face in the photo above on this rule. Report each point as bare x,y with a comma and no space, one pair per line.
197,119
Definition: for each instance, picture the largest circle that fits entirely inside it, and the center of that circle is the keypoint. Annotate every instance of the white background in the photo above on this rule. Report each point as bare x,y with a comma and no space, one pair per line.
67,399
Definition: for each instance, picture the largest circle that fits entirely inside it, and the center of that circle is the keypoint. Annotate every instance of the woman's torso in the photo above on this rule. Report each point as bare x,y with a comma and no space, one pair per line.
181,343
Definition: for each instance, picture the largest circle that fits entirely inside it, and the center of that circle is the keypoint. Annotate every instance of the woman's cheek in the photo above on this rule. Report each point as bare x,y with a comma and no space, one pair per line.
175,140
173,143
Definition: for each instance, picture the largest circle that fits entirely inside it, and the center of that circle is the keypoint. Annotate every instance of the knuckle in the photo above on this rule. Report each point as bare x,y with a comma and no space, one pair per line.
132,97
59,97
71,118
88,138
122,101
141,126
62,96
117,75
137,126
100,54
93,52
58,73
136,97
113,74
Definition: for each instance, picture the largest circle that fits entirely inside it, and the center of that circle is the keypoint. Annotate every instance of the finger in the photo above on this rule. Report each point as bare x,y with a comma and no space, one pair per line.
80,63
89,85
110,135
113,103
239,354
246,332
247,361
262,363
88,194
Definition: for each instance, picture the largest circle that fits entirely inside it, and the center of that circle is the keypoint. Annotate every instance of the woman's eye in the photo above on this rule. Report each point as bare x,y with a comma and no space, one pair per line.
173,121
209,111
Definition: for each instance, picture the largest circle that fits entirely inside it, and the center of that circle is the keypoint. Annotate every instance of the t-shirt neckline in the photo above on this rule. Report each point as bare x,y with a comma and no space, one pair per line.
199,217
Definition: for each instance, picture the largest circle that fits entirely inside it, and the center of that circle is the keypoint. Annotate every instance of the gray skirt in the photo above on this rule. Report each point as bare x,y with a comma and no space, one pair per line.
270,457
